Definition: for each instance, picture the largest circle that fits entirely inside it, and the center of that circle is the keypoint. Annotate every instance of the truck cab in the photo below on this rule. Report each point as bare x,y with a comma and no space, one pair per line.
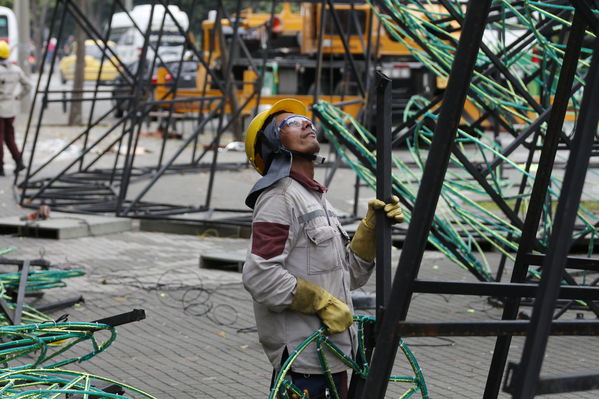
165,32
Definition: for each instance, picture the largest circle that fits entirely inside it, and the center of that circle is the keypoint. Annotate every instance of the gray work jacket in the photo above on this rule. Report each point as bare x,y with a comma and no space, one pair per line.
295,233
10,77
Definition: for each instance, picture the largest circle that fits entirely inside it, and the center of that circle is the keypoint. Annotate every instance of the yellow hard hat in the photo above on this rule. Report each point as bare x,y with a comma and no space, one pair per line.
256,125
4,49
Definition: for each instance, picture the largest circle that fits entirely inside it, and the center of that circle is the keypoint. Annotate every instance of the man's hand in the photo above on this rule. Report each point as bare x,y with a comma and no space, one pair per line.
363,243
392,209
313,299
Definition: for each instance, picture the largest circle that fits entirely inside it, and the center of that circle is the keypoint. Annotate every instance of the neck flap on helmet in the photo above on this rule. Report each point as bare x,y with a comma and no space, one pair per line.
277,159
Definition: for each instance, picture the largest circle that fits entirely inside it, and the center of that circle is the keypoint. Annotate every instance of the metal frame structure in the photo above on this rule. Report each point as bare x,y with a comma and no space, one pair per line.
80,188
82,185
523,379
77,187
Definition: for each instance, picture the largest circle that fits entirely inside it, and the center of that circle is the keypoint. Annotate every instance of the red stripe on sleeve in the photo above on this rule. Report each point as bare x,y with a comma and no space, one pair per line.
268,239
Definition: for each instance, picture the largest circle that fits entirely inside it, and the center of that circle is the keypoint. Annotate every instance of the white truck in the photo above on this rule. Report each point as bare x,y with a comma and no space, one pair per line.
127,31
9,31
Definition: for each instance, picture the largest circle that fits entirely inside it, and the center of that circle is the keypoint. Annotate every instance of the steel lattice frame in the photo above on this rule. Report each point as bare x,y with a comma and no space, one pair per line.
82,186
524,380
86,190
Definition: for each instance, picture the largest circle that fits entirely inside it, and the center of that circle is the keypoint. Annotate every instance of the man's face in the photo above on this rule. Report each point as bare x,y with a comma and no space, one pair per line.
297,133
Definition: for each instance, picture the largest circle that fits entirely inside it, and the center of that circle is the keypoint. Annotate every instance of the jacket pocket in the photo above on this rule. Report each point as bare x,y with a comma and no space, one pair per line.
322,251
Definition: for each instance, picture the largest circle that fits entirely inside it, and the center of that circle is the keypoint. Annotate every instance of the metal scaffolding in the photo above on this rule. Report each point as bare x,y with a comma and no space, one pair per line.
523,379
99,178
87,184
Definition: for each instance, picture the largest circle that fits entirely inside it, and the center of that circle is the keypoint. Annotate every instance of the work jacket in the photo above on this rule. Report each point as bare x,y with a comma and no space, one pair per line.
10,77
296,234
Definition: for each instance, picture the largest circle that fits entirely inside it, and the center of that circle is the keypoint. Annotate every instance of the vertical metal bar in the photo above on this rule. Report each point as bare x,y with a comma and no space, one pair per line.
427,198
357,184
539,192
136,120
383,191
229,85
44,99
526,375
348,53
260,81
383,224
41,73
174,89
318,77
21,292
97,85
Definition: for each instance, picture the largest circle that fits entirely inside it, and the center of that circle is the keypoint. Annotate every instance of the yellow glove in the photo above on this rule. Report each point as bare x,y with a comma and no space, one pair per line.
311,298
363,243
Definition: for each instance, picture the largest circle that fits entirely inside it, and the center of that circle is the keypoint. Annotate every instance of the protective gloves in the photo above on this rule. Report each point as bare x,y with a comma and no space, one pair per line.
363,243
311,298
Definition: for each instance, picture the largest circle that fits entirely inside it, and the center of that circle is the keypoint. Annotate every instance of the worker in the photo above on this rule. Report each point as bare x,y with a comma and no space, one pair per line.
10,77
301,265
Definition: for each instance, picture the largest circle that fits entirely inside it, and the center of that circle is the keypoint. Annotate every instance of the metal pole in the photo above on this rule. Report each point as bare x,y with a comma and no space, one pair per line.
24,276
526,375
427,198
383,224
383,191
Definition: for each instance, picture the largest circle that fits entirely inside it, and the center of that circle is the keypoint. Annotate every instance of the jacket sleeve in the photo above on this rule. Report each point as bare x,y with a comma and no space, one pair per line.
25,85
265,276
359,269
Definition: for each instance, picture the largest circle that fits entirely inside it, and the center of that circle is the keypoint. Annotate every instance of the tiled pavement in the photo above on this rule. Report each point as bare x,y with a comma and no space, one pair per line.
198,339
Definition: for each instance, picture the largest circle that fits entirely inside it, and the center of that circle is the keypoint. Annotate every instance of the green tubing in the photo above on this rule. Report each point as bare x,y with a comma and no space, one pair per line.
40,279
324,347
403,184
4,251
49,341
461,221
41,344
51,383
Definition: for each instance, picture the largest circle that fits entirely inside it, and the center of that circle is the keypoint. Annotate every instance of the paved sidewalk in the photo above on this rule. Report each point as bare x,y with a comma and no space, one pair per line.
199,341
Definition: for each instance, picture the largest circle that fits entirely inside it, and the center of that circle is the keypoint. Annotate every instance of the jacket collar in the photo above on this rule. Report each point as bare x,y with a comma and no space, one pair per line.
305,181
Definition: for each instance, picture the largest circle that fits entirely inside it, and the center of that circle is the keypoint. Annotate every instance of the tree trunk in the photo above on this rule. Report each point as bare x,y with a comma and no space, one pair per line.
76,106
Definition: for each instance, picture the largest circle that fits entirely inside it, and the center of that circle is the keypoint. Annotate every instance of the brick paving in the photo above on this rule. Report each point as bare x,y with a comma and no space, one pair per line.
199,341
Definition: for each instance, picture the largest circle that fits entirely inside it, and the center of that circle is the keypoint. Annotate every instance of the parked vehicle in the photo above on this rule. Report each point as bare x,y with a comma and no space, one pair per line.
93,61
123,87
165,32
9,31
185,86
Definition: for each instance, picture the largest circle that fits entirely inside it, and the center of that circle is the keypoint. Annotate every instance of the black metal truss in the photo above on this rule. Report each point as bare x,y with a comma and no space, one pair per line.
82,186
523,379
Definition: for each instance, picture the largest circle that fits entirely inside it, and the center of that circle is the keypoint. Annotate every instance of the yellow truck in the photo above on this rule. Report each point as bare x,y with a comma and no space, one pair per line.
291,47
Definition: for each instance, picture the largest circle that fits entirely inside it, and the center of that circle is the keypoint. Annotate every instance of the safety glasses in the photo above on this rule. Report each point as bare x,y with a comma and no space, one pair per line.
296,121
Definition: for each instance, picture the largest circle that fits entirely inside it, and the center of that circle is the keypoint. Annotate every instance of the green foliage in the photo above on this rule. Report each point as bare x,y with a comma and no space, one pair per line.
7,3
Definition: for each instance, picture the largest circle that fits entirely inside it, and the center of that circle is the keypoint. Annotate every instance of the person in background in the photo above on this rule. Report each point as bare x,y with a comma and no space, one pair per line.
51,50
301,264
11,76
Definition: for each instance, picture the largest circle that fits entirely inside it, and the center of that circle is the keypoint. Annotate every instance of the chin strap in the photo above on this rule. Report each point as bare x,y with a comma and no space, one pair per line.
317,159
